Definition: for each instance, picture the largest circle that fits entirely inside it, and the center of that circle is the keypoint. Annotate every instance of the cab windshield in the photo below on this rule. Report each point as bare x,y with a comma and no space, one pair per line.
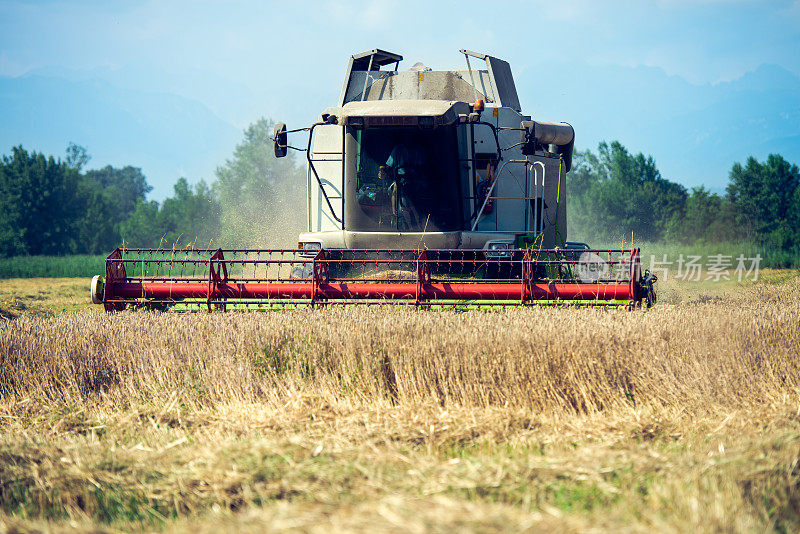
407,179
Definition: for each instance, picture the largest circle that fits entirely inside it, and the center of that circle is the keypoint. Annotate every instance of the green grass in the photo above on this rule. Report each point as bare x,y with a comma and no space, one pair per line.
80,266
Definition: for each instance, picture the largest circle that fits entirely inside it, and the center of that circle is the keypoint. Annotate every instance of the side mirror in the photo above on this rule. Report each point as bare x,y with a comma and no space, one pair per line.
280,138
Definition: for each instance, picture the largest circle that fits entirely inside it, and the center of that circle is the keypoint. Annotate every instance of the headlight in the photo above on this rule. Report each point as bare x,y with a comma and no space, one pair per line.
495,249
309,248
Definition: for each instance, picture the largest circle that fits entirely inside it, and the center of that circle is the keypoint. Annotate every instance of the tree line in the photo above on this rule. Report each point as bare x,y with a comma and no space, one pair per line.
54,207
614,194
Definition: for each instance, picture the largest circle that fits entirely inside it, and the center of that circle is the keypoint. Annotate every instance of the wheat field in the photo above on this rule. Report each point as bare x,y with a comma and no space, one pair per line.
686,417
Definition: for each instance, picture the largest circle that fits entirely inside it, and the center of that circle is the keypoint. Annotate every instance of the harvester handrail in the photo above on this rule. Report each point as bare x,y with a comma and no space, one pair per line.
316,175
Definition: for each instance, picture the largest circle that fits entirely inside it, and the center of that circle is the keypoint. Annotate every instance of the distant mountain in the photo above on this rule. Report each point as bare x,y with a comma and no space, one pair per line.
695,132
168,136
225,97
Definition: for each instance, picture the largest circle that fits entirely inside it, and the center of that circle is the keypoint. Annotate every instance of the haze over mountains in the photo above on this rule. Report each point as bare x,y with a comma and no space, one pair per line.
187,126
695,132
168,136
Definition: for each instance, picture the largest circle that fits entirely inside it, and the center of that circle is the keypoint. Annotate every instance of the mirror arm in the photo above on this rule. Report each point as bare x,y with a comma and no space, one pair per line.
287,145
307,128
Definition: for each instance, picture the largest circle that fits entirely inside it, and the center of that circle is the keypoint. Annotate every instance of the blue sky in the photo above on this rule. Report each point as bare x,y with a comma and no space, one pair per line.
244,59
269,49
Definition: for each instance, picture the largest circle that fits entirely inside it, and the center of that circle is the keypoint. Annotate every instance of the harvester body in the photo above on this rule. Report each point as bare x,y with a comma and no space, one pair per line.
425,187
466,182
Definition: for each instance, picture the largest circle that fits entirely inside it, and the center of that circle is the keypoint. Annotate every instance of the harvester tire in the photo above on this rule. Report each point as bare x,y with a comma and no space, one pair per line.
97,289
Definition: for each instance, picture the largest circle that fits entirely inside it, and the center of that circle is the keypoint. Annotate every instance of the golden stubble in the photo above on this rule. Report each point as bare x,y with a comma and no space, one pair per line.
681,418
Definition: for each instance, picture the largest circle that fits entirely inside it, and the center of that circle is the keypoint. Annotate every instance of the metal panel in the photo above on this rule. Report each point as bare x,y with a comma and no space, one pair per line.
401,108
500,71
327,156
483,85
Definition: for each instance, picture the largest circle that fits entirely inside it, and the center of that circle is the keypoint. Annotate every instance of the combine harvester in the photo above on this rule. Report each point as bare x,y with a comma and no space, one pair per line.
425,187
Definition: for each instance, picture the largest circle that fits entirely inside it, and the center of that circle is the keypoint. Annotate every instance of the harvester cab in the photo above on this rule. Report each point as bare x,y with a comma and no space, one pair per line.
423,187
433,159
